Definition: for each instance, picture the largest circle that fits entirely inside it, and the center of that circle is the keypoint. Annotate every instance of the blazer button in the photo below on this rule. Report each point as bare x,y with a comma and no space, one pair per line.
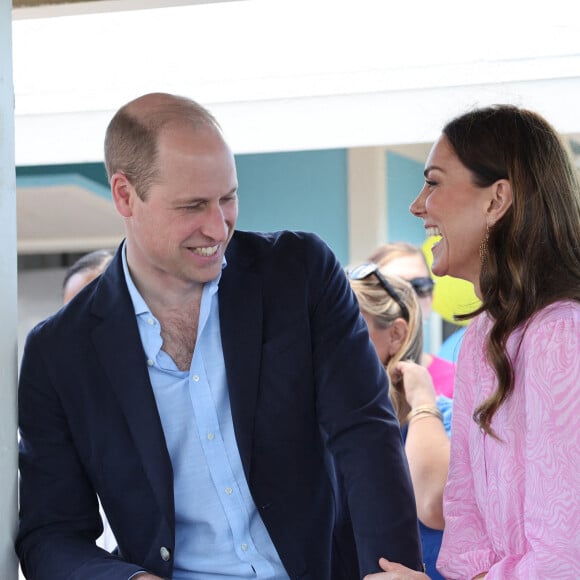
165,554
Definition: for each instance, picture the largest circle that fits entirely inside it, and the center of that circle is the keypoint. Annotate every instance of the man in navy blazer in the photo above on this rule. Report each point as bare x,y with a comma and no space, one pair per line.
192,322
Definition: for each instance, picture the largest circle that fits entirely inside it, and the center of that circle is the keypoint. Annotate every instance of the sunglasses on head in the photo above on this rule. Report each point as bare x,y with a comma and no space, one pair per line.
365,270
423,286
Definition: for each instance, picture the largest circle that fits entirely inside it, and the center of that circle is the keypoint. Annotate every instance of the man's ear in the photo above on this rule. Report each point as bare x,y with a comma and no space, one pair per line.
500,201
123,194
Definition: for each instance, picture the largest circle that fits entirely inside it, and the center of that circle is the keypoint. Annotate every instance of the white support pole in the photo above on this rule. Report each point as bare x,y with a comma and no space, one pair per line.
8,305
367,198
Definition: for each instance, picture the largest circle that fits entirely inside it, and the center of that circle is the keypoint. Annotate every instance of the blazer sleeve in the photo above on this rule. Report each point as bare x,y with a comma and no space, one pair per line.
363,434
59,516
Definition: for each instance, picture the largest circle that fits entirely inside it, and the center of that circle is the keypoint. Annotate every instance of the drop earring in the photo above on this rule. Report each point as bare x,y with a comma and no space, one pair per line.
483,249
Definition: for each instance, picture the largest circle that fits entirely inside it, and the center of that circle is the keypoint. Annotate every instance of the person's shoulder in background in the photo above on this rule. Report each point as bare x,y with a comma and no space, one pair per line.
445,405
450,348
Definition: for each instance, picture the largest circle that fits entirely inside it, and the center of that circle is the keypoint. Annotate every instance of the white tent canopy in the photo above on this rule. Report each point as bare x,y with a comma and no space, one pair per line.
285,75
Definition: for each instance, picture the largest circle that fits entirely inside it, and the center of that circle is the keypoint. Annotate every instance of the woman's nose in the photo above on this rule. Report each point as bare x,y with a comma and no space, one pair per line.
417,207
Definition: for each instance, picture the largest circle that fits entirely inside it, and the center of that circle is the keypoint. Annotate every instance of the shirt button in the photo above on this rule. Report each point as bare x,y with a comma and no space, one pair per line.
165,554
195,378
229,490
244,547
151,321
210,436
149,362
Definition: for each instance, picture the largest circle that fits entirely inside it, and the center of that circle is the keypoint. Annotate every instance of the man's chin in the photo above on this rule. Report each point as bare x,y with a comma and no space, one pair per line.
207,274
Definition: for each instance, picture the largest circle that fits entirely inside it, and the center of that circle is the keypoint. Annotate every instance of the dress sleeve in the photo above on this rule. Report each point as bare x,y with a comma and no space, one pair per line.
551,353
465,550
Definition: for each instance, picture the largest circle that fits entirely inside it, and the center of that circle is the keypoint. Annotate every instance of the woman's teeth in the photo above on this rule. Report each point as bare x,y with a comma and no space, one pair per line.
432,231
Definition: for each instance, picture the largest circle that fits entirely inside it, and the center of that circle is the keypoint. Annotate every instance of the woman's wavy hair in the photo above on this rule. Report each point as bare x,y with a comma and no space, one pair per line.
379,305
533,251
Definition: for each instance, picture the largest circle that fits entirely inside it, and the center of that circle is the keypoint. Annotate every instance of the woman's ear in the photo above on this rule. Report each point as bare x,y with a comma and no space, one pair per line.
500,202
396,335
122,192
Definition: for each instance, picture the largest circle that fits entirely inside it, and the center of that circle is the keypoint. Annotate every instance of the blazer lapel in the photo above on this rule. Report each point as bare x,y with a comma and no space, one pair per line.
240,306
118,346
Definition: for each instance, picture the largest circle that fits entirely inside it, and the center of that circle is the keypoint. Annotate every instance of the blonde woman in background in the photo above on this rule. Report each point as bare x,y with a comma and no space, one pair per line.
408,262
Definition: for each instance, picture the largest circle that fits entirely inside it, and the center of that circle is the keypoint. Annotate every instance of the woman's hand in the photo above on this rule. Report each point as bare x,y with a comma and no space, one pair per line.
393,571
417,383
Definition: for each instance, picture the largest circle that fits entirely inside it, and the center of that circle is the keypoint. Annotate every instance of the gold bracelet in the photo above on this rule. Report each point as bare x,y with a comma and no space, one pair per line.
423,416
425,409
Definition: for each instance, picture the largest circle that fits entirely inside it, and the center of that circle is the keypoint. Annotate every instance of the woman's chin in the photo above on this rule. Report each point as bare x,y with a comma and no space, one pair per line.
438,269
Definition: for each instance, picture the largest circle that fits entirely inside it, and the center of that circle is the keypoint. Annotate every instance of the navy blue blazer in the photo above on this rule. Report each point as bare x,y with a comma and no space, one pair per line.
320,445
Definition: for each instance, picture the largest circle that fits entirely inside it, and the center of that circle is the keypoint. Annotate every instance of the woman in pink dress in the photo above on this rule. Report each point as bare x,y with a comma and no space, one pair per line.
502,192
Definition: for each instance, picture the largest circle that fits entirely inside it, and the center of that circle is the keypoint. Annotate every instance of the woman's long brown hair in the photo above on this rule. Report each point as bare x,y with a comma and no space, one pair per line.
533,256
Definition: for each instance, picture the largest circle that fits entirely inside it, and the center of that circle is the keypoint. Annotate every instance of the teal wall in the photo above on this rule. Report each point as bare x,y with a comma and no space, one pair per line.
94,171
404,181
303,190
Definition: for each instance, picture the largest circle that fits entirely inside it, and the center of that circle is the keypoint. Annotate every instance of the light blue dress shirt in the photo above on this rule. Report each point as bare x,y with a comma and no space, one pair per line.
218,531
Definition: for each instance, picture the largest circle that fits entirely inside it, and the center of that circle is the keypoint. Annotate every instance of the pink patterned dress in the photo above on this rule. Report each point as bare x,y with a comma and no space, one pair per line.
511,507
